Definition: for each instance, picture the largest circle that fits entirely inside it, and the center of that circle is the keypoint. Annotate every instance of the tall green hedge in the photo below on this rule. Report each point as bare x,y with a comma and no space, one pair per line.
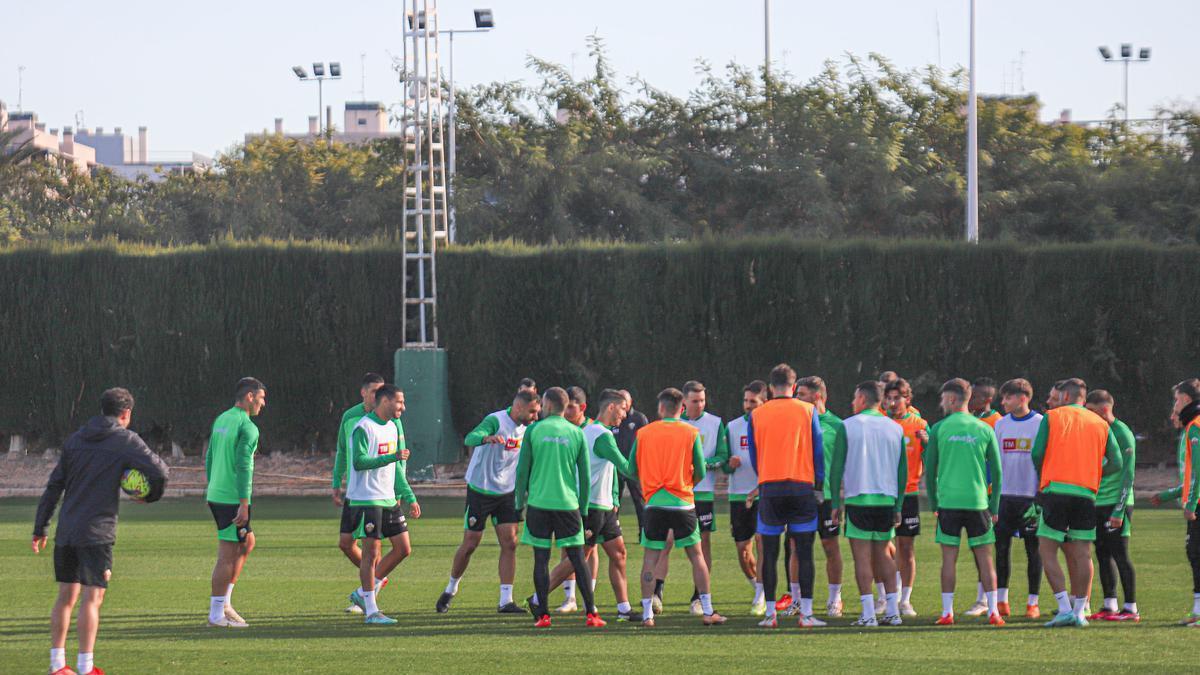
180,326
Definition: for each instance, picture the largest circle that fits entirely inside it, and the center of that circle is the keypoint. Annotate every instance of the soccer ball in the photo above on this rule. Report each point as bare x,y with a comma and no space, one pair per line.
134,484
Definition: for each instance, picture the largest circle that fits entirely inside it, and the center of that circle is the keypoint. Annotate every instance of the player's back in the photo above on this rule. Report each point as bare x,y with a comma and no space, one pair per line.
912,424
784,434
1016,436
231,427
962,445
555,446
664,458
1076,440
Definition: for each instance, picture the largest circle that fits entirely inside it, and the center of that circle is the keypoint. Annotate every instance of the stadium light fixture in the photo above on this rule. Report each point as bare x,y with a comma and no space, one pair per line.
300,72
1106,53
1126,58
319,76
420,20
319,69
485,21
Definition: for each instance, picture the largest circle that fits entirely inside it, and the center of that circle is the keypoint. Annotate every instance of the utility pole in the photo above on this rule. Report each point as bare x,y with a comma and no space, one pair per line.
972,145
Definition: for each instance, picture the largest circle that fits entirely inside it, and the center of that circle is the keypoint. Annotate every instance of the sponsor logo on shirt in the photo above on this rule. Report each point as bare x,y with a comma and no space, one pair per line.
1017,444
388,448
512,444
744,441
963,439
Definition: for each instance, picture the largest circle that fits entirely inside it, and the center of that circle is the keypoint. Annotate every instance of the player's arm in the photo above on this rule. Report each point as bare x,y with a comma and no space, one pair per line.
901,473
931,468
208,459
49,502
360,456
721,457
1038,452
403,490
139,456
606,449
725,466
697,461
243,459
838,470
633,472
583,468
818,450
1114,461
1193,442
996,472
524,465
1126,479
339,457
488,427
751,446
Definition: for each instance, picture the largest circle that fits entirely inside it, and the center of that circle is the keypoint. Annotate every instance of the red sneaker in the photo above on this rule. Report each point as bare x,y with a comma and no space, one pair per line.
1032,612
382,584
65,670
1102,615
1125,615
594,621
647,623
95,671
543,621
783,603
996,620
1003,609
945,620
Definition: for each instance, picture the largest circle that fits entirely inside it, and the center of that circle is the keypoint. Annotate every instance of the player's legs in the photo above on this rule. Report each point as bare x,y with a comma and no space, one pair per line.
60,615
1107,569
349,546
583,577
768,568
223,571
906,560
664,566
243,551
949,568
462,557
1192,549
506,537
746,558
541,580
372,552
650,558
864,571
700,576
1033,565
1079,564
615,550
1048,552
88,622
401,549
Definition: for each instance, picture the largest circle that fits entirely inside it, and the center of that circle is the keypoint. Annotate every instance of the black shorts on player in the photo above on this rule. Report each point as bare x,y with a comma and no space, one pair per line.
394,522
224,515
86,565
706,515
827,527
545,526
1067,517
977,523
601,525
368,521
347,524
501,509
870,523
1012,518
743,520
660,522
910,517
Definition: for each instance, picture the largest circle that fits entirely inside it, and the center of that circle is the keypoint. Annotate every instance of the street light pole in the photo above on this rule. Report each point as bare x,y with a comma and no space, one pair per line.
484,23
1127,57
319,76
767,39
972,145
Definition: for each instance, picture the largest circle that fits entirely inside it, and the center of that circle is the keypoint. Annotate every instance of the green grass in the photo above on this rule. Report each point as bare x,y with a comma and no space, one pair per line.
295,585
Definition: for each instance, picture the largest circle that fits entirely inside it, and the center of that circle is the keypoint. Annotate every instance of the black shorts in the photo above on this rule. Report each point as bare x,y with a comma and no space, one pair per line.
910,517
952,522
347,524
1012,518
502,509
87,565
226,530
1103,531
662,523
743,520
367,522
545,526
394,522
1067,517
601,525
706,514
794,513
870,523
827,527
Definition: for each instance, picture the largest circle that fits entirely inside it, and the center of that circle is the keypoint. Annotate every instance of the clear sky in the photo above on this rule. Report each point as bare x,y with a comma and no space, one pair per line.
202,74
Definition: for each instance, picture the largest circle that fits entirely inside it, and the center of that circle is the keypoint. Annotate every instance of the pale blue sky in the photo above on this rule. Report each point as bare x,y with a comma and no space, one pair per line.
201,74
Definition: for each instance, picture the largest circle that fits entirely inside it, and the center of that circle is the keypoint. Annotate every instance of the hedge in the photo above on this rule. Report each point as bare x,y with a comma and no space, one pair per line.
180,326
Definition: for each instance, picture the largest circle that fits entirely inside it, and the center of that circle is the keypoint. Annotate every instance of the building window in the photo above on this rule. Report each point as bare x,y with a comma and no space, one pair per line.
362,122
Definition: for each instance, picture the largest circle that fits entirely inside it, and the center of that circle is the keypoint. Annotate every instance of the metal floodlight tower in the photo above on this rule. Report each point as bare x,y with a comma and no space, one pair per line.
425,212
319,76
484,22
1126,59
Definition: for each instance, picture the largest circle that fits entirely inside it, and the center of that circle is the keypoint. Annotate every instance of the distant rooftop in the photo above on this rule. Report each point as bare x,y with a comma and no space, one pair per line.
364,105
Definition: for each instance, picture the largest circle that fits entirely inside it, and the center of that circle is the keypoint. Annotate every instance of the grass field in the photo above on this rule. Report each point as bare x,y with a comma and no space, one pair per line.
295,586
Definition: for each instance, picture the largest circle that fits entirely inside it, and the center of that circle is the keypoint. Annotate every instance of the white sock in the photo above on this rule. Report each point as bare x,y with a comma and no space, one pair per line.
868,605
906,594
706,603
452,587
1064,602
593,585
899,581
229,596
947,603
216,608
1032,600
369,601
647,611
84,664
360,590
1079,606
835,593
893,600
623,608
795,589
991,602
534,599
758,592
505,594
1131,607
805,606
880,590
1002,594
1195,603
58,659
1110,604
770,609
979,596
569,590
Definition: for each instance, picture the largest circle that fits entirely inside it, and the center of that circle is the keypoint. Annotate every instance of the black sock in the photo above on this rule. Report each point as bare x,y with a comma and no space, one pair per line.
583,578
541,580
1125,570
807,568
658,587
695,594
1033,567
770,575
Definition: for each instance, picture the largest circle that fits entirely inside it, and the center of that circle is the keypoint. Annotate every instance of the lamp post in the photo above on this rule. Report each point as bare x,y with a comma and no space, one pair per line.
1126,59
484,22
319,76
972,145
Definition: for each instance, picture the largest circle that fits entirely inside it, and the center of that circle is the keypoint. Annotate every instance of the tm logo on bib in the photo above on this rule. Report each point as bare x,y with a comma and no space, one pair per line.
388,448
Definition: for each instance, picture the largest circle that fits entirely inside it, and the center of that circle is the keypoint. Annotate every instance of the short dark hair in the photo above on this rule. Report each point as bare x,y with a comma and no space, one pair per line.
554,400
901,385
670,397
1017,385
958,387
388,391
782,375
872,390
756,387
372,378
1189,387
247,385
577,395
691,386
1099,397
1074,388
888,376
525,396
815,383
981,382
527,383
115,401
610,396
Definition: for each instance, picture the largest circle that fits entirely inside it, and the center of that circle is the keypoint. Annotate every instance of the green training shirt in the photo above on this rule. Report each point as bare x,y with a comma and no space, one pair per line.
229,463
1117,488
350,419
962,452
554,469
832,428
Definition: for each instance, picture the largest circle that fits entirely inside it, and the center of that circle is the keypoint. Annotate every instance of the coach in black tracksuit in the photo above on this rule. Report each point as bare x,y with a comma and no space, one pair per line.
625,436
89,473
